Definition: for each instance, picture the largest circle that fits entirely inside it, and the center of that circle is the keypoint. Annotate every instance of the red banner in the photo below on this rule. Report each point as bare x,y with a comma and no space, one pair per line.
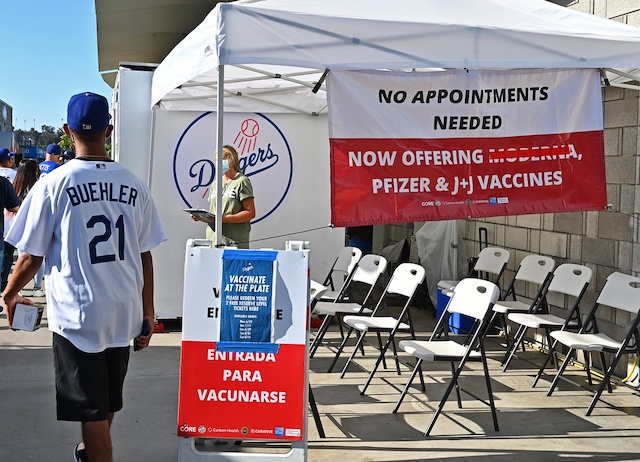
441,146
225,394
379,181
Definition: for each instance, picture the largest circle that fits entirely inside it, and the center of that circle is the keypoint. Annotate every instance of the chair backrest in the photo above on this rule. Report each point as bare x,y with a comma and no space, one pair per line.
347,259
473,297
315,291
344,265
368,271
621,291
406,279
570,279
535,269
492,260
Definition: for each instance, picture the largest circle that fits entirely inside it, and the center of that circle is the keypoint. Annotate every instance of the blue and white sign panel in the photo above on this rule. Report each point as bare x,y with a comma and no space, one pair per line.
247,307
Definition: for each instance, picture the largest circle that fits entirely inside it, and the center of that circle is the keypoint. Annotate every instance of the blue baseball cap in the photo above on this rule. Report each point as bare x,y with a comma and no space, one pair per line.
69,154
5,154
54,149
88,112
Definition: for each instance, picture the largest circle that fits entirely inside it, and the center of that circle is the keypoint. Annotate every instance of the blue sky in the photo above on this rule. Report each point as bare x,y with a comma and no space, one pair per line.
48,52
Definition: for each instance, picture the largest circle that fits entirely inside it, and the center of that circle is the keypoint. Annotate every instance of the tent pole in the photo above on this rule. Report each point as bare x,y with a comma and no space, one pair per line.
219,144
623,74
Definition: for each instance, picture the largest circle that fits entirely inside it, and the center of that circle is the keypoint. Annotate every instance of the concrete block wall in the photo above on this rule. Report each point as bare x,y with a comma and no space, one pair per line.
605,241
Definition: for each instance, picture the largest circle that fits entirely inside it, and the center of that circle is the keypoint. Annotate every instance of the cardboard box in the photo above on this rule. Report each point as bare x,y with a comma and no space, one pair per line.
27,317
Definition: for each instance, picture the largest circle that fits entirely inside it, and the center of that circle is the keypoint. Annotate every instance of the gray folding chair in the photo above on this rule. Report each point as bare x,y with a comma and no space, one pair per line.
405,280
568,279
366,274
471,297
535,272
490,264
342,267
621,292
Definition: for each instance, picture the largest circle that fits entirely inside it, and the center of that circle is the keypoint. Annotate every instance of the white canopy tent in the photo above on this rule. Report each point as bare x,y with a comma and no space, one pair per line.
271,55
284,39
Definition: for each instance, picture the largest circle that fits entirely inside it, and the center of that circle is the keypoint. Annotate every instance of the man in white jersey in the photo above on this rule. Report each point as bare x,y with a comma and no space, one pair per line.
95,224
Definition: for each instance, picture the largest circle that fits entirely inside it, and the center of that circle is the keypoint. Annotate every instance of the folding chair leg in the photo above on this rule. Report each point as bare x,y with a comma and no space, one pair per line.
384,361
587,367
341,329
340,348
606,382
544,366
408,384
514,346
603,363
487,378
556,379
552,351
452,383
353,353
422,385
320,335
458,398
316,414
395,356
378,361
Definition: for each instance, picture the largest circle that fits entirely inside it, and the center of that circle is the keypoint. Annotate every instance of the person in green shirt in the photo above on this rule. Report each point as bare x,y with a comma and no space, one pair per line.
238,207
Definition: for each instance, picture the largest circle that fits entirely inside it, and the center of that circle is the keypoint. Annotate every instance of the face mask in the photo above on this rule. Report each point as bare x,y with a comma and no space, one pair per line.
225,166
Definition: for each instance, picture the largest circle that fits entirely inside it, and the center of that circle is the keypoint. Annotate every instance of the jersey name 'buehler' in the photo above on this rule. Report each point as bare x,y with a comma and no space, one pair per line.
102,191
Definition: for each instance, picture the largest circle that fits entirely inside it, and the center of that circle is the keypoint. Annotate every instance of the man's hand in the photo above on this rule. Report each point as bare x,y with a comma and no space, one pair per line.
142,341
11,302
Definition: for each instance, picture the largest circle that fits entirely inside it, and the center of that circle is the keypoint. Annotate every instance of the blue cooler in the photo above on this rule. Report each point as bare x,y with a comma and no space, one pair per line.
458,323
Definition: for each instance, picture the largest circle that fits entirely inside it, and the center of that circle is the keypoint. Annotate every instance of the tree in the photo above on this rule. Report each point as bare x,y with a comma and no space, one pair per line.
66,143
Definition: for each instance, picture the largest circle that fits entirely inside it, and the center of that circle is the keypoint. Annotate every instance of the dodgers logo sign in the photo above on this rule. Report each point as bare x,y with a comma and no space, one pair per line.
264,154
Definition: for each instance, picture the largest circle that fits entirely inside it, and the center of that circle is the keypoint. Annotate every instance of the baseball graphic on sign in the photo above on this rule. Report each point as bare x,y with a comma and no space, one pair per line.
247,137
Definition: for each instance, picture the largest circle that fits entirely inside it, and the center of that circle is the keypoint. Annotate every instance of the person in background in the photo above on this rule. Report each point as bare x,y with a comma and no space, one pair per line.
8,201
67,156
51,159
238,207
7,164
26,177
97,251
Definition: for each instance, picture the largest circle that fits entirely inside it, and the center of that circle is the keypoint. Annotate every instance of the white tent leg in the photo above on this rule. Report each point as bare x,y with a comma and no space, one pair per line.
219,143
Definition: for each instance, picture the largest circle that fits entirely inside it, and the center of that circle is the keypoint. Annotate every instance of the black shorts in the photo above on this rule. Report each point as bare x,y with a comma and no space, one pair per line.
88,385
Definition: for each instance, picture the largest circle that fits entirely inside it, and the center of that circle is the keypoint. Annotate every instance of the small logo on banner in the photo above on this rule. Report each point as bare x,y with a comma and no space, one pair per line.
279,431
294,432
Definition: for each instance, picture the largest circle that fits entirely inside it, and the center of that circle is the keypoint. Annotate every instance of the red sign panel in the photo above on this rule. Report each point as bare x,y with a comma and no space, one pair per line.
378,181
241,395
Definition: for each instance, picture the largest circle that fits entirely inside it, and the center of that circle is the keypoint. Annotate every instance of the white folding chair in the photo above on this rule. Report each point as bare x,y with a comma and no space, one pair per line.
316,290
621,292
405,280
471,297
366,274
490,264
342,267
568,279
535,271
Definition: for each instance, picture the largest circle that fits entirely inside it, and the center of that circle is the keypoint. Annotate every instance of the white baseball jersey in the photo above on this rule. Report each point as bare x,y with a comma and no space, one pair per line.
91,221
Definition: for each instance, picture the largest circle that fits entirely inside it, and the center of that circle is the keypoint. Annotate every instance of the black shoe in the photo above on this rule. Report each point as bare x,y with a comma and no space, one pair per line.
80,454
